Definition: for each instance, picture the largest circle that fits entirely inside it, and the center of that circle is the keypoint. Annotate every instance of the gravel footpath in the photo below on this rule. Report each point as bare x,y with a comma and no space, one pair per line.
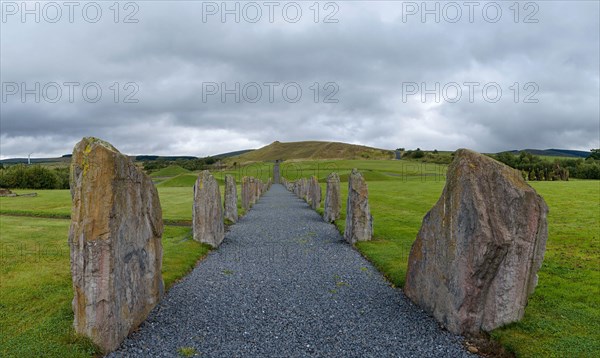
285,284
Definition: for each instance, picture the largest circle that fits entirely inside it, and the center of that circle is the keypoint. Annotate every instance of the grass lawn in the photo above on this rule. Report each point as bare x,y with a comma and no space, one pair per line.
48,203
35,285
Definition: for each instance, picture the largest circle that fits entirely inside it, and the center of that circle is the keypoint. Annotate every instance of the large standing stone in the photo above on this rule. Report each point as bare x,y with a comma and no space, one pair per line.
115,243
359,222
333,201
304,189
230,199
257,189
252,193
475,259
314,193
246,193
276,172
207,216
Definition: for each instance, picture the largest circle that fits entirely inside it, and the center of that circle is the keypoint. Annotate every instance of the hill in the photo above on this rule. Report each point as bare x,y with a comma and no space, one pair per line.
232,154
169,171
313,150
63,159
567,153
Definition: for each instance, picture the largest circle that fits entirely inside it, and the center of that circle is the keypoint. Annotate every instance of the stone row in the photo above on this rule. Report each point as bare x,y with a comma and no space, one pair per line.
252,190
472,266
359,221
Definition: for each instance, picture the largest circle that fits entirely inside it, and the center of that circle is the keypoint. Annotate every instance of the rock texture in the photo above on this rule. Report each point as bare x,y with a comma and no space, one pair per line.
115,243
314,193
276,172
359,222
333,200
246,195
257,187
304,189
6,193
230,199
253,191
207,219
475,259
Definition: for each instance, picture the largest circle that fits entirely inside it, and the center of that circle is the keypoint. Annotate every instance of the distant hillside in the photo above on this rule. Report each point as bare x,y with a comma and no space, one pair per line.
555,152
143,158
232,154
314,150
62,159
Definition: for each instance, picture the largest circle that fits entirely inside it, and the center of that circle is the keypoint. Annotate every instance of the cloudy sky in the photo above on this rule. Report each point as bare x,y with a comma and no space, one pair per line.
201,78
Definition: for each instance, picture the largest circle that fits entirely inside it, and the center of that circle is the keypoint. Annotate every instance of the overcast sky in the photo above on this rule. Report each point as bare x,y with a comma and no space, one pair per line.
369,72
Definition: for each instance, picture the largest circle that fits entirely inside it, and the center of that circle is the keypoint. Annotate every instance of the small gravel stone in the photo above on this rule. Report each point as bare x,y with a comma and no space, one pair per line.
294,289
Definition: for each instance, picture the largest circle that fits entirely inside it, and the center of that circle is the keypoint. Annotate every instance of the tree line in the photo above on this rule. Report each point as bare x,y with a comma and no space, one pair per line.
22,176
189,164
537,168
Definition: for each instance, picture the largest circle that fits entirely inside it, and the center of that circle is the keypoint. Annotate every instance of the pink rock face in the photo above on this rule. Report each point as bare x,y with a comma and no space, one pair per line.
115,243
475,260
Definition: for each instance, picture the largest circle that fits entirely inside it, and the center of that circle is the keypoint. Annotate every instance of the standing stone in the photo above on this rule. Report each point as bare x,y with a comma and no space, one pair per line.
230,198
475,260
301,188
115,243
6,193
276,172
333,200
314,193
252,193
257,190
207,216
304,189
359,222
246,193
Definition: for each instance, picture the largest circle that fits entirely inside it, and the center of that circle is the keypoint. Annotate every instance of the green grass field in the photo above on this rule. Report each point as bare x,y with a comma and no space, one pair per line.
562,319
36,291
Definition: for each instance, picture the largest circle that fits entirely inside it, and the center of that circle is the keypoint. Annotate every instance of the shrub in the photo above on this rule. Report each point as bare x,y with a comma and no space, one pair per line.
560,169
23,176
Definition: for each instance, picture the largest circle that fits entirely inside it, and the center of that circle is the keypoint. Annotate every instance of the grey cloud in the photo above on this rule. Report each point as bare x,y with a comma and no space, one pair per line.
170,53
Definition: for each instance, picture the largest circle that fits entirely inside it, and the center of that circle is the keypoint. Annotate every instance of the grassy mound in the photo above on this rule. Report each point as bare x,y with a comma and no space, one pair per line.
182,180
169,171
314,150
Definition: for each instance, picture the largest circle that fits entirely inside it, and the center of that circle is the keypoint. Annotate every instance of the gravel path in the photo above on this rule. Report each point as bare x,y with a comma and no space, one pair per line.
285,284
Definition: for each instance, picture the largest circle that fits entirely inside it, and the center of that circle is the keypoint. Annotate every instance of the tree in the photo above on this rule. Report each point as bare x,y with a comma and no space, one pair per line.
595,154
418,153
